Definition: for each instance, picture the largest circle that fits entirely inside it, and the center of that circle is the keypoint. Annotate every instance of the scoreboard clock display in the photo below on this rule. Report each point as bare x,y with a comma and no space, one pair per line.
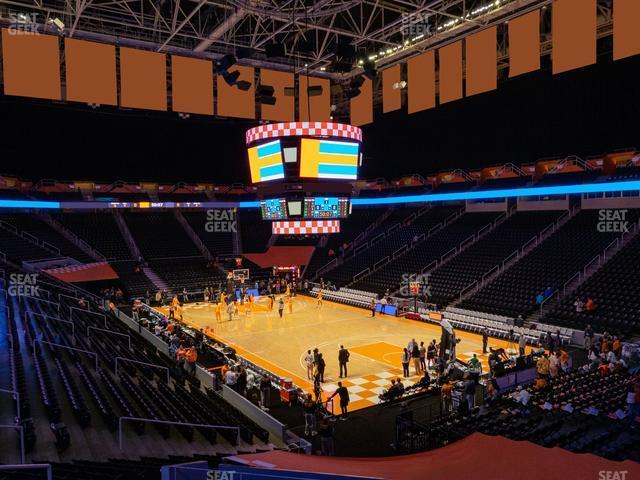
326,207
274,209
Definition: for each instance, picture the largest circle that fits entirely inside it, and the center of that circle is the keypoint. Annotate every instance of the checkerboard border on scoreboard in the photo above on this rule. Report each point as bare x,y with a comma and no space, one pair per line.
303,227
277,130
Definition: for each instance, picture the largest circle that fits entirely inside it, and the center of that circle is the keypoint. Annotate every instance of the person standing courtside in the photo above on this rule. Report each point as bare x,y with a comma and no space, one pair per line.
343,359
406,357
280,307
373,308
343,393
308,361
485,340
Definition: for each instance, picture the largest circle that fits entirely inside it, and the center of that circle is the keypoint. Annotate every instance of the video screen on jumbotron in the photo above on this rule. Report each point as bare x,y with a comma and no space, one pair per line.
265,162
329,159
326,207
274,209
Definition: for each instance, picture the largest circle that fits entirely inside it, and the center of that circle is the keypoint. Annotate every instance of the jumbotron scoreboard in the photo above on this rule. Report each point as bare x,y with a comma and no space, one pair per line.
304,151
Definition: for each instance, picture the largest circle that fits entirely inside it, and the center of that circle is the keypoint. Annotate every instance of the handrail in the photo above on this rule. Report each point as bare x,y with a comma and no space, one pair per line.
381,262
17,394
593,260
121,420
86,311
8,226
51,247
489,272
555,292
91,327
399,250
124,359
564,287
448,253
393,228
57,319
37,340
434,263
515,254
615,242
361,274
469,239
533,241
435,228
17,467
464,290
30,466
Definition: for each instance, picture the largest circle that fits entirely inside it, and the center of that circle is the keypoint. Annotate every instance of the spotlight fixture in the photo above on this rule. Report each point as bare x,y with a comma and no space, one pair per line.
399,85
265,94
224,63
57,23
243,85
231,77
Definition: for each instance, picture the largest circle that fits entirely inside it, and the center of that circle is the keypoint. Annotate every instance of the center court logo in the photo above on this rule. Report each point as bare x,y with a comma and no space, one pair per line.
612,220
23,285
221,220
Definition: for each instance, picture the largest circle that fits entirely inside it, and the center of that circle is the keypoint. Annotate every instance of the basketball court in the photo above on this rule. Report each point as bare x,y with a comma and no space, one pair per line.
280,344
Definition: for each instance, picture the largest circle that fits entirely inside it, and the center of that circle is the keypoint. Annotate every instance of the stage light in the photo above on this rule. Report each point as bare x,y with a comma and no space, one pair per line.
231,77
243,85
265,94
58,24
399,85
224,63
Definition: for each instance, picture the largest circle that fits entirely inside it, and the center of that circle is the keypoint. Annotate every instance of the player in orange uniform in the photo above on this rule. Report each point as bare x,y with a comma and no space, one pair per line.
218,311
290,304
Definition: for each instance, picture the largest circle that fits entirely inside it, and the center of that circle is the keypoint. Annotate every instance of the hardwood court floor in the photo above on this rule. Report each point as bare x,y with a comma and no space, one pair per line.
280,344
